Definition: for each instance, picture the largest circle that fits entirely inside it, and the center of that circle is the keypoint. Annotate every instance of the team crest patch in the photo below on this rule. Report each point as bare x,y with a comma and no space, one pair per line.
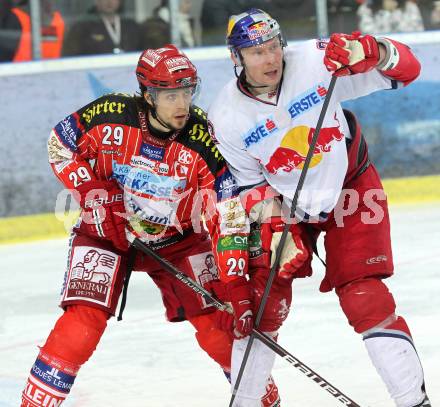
91,276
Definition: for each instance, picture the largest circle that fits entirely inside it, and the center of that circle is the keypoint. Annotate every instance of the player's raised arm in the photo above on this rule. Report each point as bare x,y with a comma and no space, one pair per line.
350,54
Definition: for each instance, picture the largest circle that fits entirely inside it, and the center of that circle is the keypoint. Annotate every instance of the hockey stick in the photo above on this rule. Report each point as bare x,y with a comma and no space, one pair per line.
269,342
311,374
283,237
188,281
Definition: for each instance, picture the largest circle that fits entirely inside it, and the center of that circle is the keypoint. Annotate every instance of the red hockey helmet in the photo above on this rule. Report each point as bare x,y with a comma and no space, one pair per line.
166,68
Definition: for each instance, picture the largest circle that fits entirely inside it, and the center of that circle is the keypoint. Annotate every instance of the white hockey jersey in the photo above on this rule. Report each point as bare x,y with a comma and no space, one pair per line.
263,142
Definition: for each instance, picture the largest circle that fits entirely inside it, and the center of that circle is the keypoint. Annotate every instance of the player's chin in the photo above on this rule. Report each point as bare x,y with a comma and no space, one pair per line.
179,121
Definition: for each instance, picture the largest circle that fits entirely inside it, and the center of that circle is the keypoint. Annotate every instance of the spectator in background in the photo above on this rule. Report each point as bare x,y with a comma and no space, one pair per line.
15,20
383,16
342,15
9,31
435,15
156,29
340,5
104,31
216,13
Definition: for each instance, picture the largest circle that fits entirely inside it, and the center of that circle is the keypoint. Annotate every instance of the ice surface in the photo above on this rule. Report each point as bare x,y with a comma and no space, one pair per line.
146,361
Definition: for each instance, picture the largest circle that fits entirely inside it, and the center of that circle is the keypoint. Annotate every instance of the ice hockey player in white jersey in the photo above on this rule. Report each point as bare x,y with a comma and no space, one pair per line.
263,122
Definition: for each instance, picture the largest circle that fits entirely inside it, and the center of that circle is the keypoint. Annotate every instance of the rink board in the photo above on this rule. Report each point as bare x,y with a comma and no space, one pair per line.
402,127
400,191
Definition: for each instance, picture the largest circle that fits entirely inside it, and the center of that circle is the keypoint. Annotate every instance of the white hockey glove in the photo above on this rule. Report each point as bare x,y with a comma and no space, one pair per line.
294,252
266,213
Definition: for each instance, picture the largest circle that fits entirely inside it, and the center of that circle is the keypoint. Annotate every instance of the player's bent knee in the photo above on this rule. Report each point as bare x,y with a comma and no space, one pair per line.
215,342
76,333
366,303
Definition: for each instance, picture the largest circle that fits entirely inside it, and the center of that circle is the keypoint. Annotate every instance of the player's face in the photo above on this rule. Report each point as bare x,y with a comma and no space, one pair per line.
264,63
172,106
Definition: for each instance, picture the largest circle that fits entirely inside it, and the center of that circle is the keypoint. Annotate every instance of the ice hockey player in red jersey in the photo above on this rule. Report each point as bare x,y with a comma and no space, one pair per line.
142,166
264,121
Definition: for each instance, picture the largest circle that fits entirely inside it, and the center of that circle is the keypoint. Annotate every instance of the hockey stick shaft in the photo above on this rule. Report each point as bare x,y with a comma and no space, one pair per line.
189,282
310,373
284,236
269,342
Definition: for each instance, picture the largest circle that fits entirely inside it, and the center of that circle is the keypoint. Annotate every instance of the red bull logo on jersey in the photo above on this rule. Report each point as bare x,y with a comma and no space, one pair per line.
265,128
308,100
294,146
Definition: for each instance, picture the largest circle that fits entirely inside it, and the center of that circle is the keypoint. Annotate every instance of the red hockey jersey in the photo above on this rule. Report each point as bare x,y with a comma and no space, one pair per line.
171,186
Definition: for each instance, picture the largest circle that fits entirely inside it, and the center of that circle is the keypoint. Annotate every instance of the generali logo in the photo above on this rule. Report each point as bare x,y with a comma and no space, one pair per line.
91,275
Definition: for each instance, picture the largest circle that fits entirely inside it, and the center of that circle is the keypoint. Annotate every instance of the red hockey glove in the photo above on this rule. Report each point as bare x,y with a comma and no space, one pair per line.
224,320
238,293
351,54
294,253
240,297
103,214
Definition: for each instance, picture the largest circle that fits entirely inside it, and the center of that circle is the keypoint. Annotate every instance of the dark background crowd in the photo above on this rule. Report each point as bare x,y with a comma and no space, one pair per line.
89,27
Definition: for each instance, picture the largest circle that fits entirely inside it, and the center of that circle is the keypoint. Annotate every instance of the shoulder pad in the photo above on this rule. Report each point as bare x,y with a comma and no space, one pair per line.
199,113
197,137
110,108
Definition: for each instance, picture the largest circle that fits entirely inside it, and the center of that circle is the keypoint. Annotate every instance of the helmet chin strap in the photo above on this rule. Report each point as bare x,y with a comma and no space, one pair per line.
153,110
162,122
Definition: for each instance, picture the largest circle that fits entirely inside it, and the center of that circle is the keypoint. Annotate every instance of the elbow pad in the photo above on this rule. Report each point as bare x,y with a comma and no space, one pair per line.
400,63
